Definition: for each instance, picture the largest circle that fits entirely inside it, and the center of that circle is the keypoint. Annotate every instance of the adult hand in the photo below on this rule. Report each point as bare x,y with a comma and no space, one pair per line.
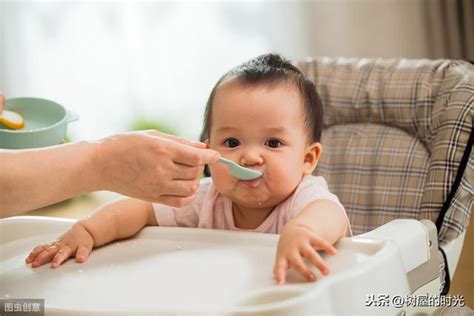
146,165
152,166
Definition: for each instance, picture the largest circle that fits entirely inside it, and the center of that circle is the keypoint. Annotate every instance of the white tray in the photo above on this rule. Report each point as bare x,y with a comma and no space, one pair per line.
175,271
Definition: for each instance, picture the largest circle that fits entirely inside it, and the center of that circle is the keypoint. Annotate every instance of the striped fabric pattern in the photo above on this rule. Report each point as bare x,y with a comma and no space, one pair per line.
395,133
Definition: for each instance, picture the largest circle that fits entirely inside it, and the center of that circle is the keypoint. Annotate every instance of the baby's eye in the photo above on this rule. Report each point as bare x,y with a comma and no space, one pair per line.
273,143
232,142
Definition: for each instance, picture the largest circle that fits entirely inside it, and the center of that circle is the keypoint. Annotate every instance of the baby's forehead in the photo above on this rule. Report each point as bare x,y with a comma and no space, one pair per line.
251,105
233,89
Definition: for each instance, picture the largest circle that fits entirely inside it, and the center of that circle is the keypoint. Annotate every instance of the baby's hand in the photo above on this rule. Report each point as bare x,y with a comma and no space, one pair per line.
76,242
296,242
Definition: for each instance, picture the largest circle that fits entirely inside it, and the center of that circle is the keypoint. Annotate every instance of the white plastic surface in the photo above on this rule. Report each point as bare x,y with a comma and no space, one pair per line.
175,271
453,252
411,237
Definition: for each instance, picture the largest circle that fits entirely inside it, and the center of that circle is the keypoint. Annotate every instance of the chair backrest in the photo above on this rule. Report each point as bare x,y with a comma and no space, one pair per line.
397,140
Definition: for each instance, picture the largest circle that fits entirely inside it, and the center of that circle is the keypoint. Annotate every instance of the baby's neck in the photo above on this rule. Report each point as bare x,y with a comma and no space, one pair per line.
249,218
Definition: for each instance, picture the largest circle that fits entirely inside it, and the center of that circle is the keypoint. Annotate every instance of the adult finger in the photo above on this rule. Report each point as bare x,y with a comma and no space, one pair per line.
181,188
45,256
193,156
176,201
37,250
63,254
313,256
185,172
281,266
298,264
177,139
83,252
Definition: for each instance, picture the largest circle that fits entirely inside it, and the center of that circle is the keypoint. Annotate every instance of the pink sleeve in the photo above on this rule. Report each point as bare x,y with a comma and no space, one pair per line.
187,216
311,189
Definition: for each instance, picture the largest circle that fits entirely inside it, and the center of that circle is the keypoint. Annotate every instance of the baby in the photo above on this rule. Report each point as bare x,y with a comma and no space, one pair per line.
264,115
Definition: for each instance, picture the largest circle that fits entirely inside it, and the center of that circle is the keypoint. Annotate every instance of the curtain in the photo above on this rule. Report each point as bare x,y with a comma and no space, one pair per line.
116,62
451,28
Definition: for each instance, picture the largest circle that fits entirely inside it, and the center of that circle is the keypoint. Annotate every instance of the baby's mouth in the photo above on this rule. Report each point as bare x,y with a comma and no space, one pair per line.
251,183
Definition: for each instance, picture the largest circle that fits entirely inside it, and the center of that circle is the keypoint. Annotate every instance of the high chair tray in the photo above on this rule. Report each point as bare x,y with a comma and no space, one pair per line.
175,271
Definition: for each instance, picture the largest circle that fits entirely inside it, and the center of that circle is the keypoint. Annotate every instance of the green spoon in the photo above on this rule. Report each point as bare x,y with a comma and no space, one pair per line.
240,172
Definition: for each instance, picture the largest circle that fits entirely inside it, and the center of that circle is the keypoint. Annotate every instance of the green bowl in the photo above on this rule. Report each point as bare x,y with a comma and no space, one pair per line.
45,123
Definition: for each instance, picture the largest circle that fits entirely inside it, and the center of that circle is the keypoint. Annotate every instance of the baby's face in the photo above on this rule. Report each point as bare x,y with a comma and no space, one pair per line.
261,128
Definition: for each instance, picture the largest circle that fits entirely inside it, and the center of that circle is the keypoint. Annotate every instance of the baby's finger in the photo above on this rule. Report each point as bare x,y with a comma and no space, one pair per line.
45,256
35,252
63,254
83,253
314,257
279,271
321,244
298,264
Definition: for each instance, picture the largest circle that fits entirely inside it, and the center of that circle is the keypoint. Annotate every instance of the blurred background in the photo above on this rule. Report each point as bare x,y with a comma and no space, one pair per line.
137,65
123,65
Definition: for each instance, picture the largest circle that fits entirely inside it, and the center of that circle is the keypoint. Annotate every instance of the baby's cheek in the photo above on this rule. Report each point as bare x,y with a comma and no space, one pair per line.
220,176
219,170
283,181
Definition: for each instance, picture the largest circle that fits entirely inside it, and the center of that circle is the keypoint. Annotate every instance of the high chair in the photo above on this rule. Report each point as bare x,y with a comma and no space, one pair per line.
397,150
397,144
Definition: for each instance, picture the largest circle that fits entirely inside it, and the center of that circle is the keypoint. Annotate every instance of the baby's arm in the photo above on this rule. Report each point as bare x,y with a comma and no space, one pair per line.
317,227
116,220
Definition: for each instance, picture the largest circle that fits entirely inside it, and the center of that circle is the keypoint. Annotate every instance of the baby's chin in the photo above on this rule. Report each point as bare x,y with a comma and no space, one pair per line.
259,197
256,202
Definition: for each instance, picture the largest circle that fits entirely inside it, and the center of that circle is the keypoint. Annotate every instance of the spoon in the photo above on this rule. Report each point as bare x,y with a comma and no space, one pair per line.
12,119
240,172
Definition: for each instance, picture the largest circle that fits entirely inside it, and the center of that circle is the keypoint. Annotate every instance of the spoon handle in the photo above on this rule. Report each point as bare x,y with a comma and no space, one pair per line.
226,161
239,171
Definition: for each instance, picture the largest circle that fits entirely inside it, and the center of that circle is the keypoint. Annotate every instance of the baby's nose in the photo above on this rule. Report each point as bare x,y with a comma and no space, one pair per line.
251,158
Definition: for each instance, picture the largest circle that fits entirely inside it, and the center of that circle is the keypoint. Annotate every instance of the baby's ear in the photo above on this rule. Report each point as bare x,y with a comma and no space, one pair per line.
311,157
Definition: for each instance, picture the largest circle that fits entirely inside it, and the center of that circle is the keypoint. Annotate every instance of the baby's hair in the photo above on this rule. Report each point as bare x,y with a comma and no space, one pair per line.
271,70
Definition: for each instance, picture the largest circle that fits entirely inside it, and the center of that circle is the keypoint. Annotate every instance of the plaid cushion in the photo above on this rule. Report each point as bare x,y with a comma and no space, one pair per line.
395,133
378,172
